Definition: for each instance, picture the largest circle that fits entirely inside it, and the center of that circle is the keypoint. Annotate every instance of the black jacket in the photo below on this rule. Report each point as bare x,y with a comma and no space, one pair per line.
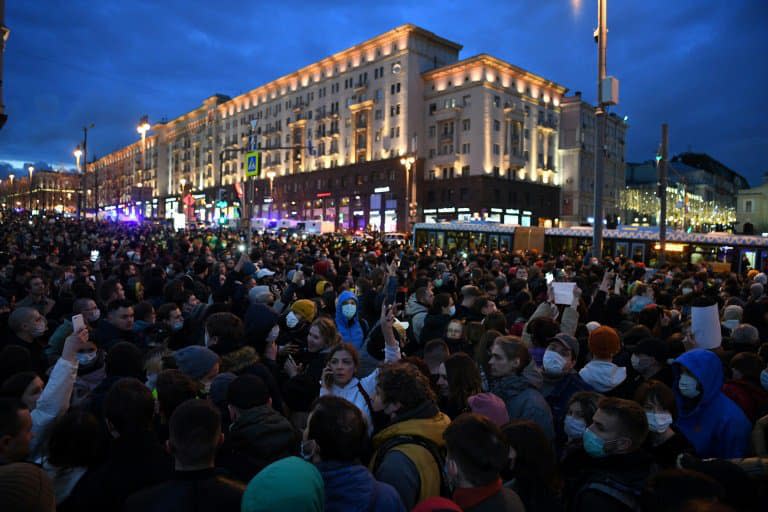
135,463
257,438
615,482
434,327
204,490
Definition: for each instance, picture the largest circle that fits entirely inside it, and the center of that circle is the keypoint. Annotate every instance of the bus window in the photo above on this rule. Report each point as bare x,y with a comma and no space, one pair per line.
751,257
440,239
506,242
622,249
493,242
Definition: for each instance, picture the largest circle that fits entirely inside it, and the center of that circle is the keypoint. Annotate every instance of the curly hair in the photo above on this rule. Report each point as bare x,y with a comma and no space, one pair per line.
404,384
328,331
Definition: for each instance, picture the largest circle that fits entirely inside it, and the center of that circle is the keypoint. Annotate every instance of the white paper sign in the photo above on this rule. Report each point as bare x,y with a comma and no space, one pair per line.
563,292
705,327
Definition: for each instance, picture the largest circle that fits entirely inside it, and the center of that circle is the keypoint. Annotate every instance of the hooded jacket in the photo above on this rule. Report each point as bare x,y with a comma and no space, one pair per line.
716,426
352,488
417,313
523,399
351,331
258,437
603,376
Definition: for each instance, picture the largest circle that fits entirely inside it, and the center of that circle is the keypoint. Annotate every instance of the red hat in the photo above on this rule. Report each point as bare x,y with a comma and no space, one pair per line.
490,406
604,342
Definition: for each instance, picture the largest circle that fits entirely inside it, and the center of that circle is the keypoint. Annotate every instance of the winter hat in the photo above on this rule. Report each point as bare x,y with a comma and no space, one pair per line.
280,479
761,278
490,406
195,361
568,342
320,287
25,487
259,294
219,386
305,308
321,268
604,342
591,326
654,347
437,504
733,313
756,290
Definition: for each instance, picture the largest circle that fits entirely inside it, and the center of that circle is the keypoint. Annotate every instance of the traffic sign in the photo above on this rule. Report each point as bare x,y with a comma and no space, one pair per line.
253,164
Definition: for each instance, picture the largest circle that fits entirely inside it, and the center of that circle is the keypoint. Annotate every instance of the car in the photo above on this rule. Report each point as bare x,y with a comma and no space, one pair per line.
394,238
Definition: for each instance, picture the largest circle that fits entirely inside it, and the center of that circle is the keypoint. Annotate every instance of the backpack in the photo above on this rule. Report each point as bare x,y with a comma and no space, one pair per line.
438,454
625,494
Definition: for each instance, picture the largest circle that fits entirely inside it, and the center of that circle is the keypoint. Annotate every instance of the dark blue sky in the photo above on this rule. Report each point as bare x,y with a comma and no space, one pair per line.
699,65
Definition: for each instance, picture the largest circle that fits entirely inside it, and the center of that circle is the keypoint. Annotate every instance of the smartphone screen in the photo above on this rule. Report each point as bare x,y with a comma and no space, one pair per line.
549,277
78,322
94,255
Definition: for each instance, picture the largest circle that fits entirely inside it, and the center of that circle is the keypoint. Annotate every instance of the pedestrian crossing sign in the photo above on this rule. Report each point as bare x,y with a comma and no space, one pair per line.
253,164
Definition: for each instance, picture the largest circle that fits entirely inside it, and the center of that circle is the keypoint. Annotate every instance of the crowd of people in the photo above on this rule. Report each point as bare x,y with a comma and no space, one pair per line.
144,369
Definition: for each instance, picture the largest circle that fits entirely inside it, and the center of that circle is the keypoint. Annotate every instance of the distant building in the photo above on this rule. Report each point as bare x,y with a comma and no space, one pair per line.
51,191
482,133
752,208
577,161
701,194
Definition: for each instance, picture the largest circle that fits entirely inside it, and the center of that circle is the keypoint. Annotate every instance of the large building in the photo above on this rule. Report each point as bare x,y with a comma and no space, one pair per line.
50,191
752,209
577,162
390,131
701,193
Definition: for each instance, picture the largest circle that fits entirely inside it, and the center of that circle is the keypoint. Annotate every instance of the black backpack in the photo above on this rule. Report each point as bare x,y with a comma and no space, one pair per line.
437,454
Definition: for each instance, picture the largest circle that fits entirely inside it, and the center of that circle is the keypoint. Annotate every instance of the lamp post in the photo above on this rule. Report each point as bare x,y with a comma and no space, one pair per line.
84,154
407,162
78,152
31,169
11,194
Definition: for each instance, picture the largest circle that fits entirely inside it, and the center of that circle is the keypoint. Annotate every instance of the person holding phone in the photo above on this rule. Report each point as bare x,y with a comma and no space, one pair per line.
343,361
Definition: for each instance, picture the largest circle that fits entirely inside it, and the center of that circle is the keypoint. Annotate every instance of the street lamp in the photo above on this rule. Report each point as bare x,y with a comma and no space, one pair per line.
31,169
78,152
407,162
10,177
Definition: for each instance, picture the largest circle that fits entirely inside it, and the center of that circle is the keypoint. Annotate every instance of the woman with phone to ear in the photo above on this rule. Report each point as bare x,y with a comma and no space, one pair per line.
343,361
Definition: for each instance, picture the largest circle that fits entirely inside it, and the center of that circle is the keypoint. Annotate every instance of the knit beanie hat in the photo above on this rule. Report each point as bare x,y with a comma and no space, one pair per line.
752,273
733,313
287,484
219,386
305,308
762,278
604,342
195,361
490,406
591,326
25,487
320,287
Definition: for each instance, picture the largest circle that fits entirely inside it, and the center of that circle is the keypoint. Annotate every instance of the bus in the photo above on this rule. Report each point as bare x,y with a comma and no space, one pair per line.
723,250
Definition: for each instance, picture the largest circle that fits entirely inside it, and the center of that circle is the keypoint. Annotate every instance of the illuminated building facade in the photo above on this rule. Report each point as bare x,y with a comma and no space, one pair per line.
391,131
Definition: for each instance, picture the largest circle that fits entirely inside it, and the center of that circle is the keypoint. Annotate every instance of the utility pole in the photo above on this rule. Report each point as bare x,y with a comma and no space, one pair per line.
661,158
601,34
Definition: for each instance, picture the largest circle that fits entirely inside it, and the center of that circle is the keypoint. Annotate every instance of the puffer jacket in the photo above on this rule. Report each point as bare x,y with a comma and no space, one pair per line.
352,488
523,399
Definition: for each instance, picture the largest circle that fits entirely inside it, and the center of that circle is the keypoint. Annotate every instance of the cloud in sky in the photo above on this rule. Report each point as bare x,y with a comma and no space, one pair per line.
697,64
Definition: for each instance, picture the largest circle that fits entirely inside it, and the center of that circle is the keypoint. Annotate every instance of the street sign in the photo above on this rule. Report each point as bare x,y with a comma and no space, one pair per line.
253,164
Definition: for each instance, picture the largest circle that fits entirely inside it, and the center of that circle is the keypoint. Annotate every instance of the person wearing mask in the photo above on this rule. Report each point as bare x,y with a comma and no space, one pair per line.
561,381
438,318
664,443
258,435
27,327
581,409
516,380
408,463
477,453
618,467
417,308
649,360
338,378
91,314
348,323
117,326
744,385
294,326
335,441
456,337
601,373
711,421
200,364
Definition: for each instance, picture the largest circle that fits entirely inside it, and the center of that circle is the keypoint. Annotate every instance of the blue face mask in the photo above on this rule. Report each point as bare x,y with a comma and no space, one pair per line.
349,310
594,445
176,326
574,427
438,283
764,379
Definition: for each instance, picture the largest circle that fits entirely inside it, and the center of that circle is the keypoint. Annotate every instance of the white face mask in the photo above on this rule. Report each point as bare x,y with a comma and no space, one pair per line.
688,386
291,320
686,291
658,422
85,358
92,316
554,363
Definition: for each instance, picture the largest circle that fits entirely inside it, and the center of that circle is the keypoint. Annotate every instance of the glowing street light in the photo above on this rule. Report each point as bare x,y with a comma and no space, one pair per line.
31,169
407,162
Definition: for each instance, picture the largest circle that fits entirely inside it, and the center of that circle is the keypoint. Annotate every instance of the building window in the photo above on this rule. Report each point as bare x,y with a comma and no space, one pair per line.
496,101
432,108
465,149
394,110
432,131
466,100
496,149
748,206
432,153
465,171
496,125
394,132
466,125
378,115
395,88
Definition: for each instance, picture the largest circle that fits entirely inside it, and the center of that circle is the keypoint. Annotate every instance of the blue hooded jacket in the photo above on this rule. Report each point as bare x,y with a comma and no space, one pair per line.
352,488
716,427
350,330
